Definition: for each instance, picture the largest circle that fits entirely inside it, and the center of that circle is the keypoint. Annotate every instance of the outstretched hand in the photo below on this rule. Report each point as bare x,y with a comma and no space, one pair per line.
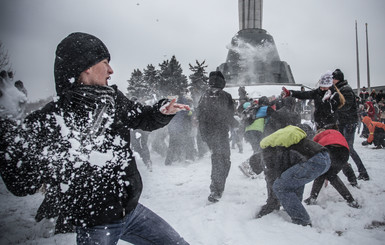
172,107
285,92
13,97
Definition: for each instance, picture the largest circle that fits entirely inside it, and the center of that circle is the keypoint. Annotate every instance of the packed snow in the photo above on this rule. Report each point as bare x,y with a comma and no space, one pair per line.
178,193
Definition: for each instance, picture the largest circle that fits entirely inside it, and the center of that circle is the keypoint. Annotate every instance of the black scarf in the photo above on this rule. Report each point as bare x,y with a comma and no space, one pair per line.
94,107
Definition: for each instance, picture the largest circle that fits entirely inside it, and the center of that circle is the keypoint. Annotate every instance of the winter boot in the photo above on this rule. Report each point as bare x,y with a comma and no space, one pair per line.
266,209
148,165
363,176
310,201
300,222
214,197
246,169
354,204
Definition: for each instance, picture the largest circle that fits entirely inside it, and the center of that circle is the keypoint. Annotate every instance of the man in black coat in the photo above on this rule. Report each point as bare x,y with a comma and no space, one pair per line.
216,117
348,119
79,148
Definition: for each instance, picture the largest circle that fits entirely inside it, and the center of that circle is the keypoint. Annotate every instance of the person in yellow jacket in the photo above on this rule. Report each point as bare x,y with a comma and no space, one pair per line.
376,133
291,161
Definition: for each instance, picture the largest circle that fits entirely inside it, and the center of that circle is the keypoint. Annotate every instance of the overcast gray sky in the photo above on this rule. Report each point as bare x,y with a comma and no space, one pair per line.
313,36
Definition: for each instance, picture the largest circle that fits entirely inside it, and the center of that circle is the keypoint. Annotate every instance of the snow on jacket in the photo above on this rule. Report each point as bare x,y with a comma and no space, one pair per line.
215,112
324,113
372,125
80,149
347,114
331,137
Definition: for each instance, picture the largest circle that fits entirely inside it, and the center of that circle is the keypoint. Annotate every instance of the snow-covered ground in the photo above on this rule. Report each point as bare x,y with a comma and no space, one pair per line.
179,193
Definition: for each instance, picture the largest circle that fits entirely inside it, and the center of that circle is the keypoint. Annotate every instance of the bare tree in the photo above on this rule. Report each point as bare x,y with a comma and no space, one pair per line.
4,58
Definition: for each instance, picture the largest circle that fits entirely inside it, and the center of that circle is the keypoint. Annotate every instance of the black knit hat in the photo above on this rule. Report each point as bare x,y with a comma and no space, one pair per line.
338,75
217,80
75,54
263,101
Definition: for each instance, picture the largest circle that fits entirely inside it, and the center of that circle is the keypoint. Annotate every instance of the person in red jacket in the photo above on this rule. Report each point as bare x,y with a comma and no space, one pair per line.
370,109
338,149
376,133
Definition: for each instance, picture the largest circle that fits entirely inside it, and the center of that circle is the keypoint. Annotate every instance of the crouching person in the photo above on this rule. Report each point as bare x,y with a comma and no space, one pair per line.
338,149
376,133
295,160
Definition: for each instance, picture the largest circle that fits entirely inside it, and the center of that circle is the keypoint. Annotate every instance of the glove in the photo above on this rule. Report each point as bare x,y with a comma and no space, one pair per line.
13,97
327,95
285,93
365,142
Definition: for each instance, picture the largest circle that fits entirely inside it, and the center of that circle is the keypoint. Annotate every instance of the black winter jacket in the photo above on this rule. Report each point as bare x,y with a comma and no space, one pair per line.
215,113
348,113
278,159
283,117
85,161
324,113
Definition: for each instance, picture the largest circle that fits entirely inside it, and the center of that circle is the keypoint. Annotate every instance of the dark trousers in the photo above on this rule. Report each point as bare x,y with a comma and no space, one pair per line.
254,137
379,137
339,157
348,131
219,146
139,144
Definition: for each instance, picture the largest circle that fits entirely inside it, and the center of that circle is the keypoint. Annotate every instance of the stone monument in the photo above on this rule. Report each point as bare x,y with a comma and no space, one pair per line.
253,57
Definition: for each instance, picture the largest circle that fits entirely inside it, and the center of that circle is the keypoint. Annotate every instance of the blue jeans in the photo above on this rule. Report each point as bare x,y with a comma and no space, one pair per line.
141,227
348,131
290,185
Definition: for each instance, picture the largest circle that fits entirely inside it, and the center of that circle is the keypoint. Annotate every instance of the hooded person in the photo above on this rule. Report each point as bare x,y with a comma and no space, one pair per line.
216,117
376,133
79,147
292,160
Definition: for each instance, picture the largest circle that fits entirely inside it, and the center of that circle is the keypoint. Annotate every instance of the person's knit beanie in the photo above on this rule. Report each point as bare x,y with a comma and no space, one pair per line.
338,75
75,54
217,80
326,80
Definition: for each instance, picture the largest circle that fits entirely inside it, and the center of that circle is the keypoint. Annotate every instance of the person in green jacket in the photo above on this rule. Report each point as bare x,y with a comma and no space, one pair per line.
293,160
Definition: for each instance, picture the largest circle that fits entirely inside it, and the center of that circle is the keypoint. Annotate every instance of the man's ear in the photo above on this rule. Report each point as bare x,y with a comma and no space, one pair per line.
87,71
83,77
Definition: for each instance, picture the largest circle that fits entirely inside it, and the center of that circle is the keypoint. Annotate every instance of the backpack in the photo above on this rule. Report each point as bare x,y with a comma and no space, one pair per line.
255,118
214,106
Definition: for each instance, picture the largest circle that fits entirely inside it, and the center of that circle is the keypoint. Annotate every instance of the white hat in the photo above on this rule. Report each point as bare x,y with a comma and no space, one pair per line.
326,80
